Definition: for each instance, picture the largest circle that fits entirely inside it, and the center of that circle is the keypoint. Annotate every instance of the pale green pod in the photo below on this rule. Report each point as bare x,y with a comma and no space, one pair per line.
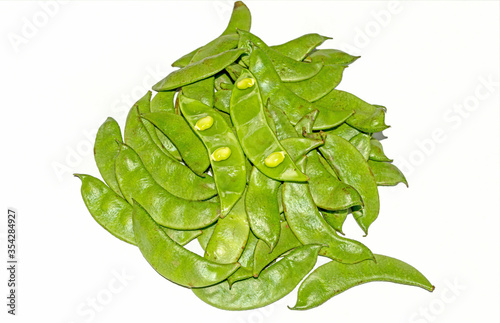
298,48
377,151
362,144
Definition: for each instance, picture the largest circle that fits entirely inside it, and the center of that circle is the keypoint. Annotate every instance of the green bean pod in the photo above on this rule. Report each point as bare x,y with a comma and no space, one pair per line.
165,170
293,106
288,69
362,144
199,70
327,191
222,99
164,101
171,260
335,219
240,19
309,226
263,255
229,174
298,48
205,236
334,278
105,150
230,236
354,170
284,128
386,174
168,210
246,261
273,283
377,151
332,56
256,138
344,131
320,84
188,144
109,210
368,118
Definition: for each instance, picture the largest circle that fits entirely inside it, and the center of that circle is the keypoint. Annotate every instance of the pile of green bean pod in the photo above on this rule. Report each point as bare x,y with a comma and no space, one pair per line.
251,150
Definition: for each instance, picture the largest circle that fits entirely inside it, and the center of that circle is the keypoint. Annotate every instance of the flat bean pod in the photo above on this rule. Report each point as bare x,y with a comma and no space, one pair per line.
272,284
256,138
288,69
284,129
168,210
327,191
240,19
279,95
230,236
171,260
165,170
222,99
188,144
368,118
386,174
344,131
377,151
362,144
335,219
334,278
353,170
164,101
246,261
320,84
263,255
202,90
198,71
105,150
332,56
229,174
309,226
298,48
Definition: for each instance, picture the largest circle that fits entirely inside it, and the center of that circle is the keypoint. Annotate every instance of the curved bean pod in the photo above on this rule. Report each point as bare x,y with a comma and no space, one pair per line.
362,144
109,210
229,174
284,129
334,278
205,236
105,150
309,226
305,125
320,84
297,147
199,70
202,91
327,191
230,236
256,138
222,99
273,283
353,170
165,170
263,255
298,48
332,56
188,144
368,118
335,218
377,151
168,210
114,214
289,70
246,261
240,19
171,260
164,101
344,131
386,174
280,96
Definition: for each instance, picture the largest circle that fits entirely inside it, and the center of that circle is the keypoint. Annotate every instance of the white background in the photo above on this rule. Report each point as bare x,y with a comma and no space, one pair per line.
83,62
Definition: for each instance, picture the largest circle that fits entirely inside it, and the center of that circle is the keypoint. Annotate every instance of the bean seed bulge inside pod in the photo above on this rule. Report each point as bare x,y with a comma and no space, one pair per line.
249,150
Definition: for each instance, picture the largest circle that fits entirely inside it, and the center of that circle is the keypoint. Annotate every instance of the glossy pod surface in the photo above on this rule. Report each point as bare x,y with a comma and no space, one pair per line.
334,278
255,136
272,284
